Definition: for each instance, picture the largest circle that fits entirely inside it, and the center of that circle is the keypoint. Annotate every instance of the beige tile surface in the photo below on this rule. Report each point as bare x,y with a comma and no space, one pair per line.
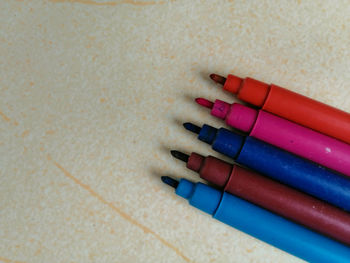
92,97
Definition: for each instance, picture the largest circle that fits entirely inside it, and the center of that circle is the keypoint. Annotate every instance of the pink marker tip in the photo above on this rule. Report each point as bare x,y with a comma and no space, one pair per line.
205,103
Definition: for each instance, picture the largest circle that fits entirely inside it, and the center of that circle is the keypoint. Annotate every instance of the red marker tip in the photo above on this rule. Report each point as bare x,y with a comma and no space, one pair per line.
205,103
218,78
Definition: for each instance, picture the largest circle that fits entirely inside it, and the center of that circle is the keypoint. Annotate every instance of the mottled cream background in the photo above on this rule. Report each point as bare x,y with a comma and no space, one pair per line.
92,98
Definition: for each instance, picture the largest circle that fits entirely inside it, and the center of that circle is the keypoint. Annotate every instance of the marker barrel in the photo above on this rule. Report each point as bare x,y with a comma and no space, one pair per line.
278,198
292,106
296,172
287,135
280,165
262,224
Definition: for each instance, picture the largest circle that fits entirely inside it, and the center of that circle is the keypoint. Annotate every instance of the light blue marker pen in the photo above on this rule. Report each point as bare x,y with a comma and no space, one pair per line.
260,223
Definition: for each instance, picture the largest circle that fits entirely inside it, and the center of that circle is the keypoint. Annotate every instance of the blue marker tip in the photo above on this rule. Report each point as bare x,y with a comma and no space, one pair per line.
170,181
191,127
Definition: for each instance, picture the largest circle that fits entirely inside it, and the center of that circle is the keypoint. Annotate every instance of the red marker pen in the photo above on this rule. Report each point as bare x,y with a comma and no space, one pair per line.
289,105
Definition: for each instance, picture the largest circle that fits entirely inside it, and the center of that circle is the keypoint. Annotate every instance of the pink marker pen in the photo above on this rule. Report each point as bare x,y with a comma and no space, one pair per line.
287,135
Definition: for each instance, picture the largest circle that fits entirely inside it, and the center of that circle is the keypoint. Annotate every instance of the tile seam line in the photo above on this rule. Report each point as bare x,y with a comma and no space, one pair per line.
6,260
118,210
95,3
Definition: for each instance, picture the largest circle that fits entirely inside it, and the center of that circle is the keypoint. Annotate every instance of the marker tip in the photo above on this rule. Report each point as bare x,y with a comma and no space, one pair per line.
179,155
218,79
170,181
191,127
205,103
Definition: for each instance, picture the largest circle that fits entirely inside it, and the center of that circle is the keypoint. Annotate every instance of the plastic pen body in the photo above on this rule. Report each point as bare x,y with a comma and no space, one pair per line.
287,135
262,224
296,172
273,196
280,165
292,106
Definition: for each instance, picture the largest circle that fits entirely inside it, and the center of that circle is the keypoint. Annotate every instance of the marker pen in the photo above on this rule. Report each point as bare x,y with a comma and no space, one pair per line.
289,105
278,164
271,195
287,135
260,223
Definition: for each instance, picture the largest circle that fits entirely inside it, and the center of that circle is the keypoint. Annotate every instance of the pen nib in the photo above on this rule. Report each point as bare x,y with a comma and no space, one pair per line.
218,79
205,103
170,181
191,127
179,155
